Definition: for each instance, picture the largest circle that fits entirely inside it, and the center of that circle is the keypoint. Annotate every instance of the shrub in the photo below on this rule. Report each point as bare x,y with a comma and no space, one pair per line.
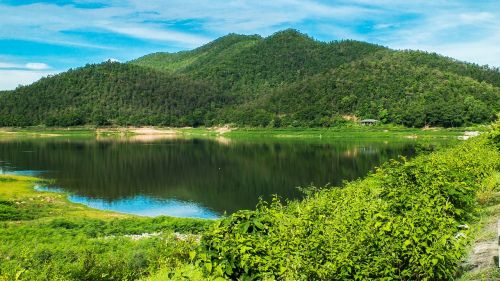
401,222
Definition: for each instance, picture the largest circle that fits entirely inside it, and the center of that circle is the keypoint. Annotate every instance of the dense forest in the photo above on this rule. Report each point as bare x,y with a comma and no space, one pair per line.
110,93
285,80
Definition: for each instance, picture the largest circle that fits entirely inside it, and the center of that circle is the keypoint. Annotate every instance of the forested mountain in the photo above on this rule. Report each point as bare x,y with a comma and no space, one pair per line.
386,86
122,94
287,79
249,63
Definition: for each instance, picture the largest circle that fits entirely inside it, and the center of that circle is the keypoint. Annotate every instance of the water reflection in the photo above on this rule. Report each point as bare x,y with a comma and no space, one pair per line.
147,206
140,205
12,171
192,177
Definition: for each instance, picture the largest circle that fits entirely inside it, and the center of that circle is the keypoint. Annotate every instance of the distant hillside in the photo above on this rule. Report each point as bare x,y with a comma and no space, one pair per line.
251,63
207,54
287,79
110,93
387,86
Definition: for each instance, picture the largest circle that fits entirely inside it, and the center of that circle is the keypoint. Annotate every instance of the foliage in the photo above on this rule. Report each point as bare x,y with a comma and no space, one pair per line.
44,237
401,222
387,88
109,93
285,80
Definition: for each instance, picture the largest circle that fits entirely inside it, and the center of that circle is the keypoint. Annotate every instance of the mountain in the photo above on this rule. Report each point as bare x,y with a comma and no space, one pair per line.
107,93
387,86
237,62
286,79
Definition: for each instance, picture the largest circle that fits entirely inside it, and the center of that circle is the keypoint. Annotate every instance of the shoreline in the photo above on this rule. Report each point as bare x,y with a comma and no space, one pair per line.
47,237
28,192
25,193
149,133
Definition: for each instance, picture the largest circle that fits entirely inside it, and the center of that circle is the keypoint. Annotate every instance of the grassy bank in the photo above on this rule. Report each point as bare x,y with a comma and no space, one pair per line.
46,237
355,132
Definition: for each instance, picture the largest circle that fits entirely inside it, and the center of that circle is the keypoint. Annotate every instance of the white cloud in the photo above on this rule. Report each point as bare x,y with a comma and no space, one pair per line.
160,35
36,66
8,65
480,17
27,66
37,22
472,36
384,25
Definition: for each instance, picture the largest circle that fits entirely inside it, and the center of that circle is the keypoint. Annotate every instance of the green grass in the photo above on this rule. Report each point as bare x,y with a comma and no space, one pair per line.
357,132
48,132
487,274
485,232
46,237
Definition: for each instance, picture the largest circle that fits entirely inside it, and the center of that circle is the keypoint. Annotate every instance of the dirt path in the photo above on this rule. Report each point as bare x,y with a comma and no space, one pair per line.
482,262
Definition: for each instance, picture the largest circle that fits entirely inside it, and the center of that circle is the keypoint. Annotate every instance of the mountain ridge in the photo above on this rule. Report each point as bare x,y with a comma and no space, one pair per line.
286,79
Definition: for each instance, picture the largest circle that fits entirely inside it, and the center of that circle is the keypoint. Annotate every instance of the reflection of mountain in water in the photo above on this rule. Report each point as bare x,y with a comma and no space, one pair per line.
224,176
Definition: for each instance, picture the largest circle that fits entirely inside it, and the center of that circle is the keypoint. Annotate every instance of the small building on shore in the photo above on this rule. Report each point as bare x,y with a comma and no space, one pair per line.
368,122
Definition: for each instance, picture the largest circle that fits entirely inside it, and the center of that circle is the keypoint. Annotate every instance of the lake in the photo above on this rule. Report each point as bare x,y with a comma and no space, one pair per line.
201,178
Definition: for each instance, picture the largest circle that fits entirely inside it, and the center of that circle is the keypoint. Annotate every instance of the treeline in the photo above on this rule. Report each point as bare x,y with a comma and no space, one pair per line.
285,80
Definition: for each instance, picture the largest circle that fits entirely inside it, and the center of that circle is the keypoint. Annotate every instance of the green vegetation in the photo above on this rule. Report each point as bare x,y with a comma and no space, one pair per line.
355,132
480,265
285,80
386,87
44,237
123,94
401,222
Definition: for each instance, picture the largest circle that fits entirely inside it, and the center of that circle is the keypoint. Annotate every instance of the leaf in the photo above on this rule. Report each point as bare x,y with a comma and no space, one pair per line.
258,224
192,255
19,273
208,266
406,243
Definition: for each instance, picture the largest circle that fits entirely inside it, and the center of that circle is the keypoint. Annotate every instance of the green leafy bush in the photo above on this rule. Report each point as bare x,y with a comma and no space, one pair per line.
401,222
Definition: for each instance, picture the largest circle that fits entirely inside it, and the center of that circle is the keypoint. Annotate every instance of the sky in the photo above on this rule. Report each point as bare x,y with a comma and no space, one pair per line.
40,38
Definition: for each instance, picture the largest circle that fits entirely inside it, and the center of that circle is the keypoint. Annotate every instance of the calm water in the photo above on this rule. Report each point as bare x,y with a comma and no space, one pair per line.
191,177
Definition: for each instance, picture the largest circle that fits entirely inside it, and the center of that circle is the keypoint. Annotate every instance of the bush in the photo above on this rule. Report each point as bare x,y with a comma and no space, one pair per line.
401,222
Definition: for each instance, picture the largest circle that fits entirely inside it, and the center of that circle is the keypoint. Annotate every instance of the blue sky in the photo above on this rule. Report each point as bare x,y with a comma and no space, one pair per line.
38,38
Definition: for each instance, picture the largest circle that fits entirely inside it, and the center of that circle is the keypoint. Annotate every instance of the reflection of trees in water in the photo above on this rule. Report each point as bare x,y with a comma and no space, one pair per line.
226,176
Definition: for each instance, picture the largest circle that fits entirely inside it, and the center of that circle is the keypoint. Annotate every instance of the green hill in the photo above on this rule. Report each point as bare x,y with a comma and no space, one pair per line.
250,63
286,79
386,86
122,94
206,54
